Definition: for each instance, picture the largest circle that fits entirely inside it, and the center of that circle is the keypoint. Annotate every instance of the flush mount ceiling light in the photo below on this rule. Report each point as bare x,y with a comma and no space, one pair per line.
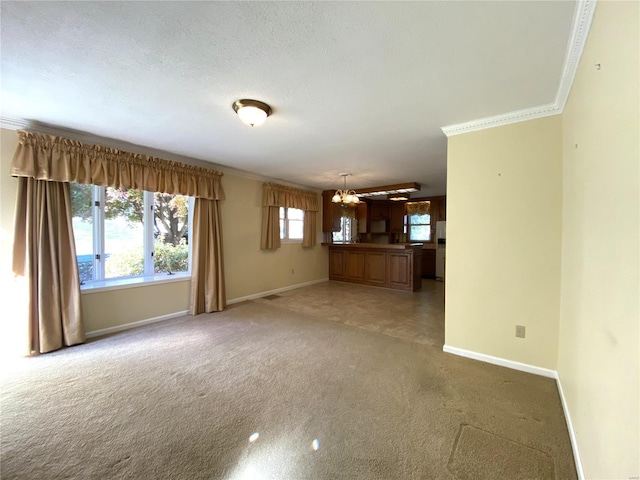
252,112
402,188
344,196
398,197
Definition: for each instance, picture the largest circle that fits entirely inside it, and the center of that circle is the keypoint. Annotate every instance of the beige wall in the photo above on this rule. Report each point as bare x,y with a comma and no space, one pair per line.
503,241
248,270
598,359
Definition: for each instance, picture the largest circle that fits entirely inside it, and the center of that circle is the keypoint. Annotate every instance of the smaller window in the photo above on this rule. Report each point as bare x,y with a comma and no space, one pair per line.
419,228
347,230
291,223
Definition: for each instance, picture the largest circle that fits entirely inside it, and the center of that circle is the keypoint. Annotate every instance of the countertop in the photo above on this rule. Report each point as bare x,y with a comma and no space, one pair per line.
380,246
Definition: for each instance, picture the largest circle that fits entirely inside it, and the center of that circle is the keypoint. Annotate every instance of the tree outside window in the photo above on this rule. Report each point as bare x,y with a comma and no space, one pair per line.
114,237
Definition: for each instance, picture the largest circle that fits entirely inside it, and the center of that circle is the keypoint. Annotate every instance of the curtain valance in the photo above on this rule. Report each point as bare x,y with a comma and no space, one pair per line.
48,157
418,208
274,195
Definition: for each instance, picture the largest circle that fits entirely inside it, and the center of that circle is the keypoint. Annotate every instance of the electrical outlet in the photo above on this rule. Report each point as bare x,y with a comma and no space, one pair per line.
520,331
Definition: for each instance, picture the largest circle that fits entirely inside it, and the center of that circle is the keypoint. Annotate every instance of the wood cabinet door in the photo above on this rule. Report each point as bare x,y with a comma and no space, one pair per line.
354,266
429,263
397,218
400,269
330,213
379,210
336,264
361,214
375,270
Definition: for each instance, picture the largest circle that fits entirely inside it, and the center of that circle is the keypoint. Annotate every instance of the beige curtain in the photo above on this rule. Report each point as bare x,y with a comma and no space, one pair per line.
47,157
275,196
207,269
270,236
418,208
44,254
309,229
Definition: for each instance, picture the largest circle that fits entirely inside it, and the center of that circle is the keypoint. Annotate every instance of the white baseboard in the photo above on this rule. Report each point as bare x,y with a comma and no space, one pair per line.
544,372
273,292
503,362
140,323
128,326
572,433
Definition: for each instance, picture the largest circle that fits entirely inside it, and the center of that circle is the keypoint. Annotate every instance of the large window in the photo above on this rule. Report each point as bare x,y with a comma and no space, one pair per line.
291,223
129,233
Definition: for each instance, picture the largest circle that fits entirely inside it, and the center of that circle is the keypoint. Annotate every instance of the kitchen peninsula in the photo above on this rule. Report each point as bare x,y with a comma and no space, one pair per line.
397,266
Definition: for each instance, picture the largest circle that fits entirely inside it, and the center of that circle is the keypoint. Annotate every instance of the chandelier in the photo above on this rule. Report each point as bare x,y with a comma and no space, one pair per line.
344,196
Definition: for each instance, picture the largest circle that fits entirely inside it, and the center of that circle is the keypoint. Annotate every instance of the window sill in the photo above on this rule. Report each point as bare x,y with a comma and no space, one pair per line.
290,242
120,283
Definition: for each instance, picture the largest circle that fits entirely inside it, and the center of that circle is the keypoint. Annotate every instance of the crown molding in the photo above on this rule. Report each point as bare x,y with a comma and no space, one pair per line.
582,18
89,138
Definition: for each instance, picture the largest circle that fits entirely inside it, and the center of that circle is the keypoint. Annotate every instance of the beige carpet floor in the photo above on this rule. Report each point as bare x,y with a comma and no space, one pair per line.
332,381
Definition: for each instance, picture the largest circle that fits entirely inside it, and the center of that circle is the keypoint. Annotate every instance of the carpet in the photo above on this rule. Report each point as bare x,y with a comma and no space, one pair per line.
270,389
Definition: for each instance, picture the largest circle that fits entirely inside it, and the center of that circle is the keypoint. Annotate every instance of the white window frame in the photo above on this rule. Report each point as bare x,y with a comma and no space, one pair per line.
284,239
98,202
348,227
408,231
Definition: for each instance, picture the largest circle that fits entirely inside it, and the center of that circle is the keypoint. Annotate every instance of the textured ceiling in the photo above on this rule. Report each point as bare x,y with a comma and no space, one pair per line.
355,86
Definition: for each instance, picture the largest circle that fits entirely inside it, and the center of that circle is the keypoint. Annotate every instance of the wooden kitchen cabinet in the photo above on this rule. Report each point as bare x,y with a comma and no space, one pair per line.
330,213
429,263
361,214
396,266
397,217
337,264
354,266
379,210
375,272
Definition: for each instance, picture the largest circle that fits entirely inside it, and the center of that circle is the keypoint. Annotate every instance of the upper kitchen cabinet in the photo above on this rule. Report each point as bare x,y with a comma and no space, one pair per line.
363,221
397,211
379,210
330,212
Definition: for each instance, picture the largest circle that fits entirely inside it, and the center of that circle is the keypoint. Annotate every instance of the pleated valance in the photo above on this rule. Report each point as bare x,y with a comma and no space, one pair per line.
418,208
348,212
274,195
48,157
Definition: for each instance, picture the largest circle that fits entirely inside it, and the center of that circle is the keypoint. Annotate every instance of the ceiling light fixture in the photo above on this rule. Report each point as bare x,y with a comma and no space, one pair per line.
251,112
389,189
344,196
398,197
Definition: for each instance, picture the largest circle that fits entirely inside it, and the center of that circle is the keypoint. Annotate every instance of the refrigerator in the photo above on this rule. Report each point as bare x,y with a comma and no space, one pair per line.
441,248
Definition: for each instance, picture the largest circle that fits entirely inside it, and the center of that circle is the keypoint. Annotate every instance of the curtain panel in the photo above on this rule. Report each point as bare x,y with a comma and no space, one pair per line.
207,268
58,159
275,196
418,208
44,253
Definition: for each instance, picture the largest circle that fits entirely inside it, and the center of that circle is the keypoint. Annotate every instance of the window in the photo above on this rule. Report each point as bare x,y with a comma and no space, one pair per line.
123,233
291,223
419,227
347,230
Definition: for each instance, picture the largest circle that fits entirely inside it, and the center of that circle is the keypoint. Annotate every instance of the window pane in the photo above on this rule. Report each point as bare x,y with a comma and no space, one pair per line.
123,233
420,233
295,229
295,214
283,234
82,220
423,219
170,233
